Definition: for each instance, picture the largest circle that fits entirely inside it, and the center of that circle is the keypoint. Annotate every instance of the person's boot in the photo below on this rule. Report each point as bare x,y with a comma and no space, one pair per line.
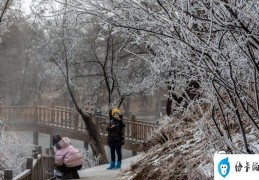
67,176
112,165
76,175
118,165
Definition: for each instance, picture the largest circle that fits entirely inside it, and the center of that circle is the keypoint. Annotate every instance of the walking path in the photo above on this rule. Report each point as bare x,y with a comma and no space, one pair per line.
100,172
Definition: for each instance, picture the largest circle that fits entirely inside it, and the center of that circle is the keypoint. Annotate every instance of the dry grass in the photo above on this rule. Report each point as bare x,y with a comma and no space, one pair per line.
183,148
175,153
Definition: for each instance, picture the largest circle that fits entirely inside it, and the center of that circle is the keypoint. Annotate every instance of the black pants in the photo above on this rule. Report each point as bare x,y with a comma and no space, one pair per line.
115,145
69,170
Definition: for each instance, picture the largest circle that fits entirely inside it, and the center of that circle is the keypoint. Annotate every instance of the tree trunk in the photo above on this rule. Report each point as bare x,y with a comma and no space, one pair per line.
93,131
169,107
95,138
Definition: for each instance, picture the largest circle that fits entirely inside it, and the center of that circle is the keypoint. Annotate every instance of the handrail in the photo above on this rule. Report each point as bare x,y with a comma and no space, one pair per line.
64,119
67,118
40,168
23,175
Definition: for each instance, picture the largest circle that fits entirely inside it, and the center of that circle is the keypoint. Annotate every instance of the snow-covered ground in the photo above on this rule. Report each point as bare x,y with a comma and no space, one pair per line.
100,172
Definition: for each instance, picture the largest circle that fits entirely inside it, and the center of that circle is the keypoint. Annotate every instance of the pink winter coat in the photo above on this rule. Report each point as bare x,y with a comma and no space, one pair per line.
67,154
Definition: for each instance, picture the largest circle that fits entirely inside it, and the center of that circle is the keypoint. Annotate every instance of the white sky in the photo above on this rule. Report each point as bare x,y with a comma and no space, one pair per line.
26,6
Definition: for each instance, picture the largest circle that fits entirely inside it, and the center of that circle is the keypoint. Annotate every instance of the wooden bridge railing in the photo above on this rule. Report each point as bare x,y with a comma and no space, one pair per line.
66,118
134,130
63,118
40,167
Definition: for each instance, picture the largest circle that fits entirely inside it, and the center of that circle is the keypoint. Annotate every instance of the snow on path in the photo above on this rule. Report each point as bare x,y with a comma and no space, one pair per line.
100,172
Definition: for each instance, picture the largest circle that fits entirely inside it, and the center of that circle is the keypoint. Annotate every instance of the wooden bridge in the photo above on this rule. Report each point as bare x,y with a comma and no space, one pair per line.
67,122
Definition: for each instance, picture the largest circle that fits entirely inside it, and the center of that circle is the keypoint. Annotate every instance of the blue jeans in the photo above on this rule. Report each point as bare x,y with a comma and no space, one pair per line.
115,145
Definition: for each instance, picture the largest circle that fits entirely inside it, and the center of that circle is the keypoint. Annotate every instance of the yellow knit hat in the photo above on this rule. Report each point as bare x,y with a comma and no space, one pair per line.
115,110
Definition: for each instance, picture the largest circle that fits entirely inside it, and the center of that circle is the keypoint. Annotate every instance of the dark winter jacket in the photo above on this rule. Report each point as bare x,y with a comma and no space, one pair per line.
116,133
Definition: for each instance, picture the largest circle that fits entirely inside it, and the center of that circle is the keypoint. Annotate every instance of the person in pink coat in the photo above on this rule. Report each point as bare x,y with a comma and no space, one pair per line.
68,159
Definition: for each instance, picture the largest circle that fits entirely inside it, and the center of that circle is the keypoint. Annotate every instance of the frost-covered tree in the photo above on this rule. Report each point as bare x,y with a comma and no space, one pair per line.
14,149
4,6
63,39
94,61
112,72
212,42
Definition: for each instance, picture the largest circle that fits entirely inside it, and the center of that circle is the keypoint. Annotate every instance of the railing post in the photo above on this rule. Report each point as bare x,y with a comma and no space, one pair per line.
40,167
8,174
76,121
50,140
51,150
39,150
48,151
35,138
51,163
35,154
133,127
133,131
52,112
35,133
35,111
29,163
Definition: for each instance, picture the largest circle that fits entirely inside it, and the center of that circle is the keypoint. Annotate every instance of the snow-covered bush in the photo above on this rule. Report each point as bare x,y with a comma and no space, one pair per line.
89,160
180,150
14,149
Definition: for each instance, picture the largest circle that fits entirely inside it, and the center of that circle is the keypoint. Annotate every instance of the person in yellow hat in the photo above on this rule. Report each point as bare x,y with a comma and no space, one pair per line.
115,130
